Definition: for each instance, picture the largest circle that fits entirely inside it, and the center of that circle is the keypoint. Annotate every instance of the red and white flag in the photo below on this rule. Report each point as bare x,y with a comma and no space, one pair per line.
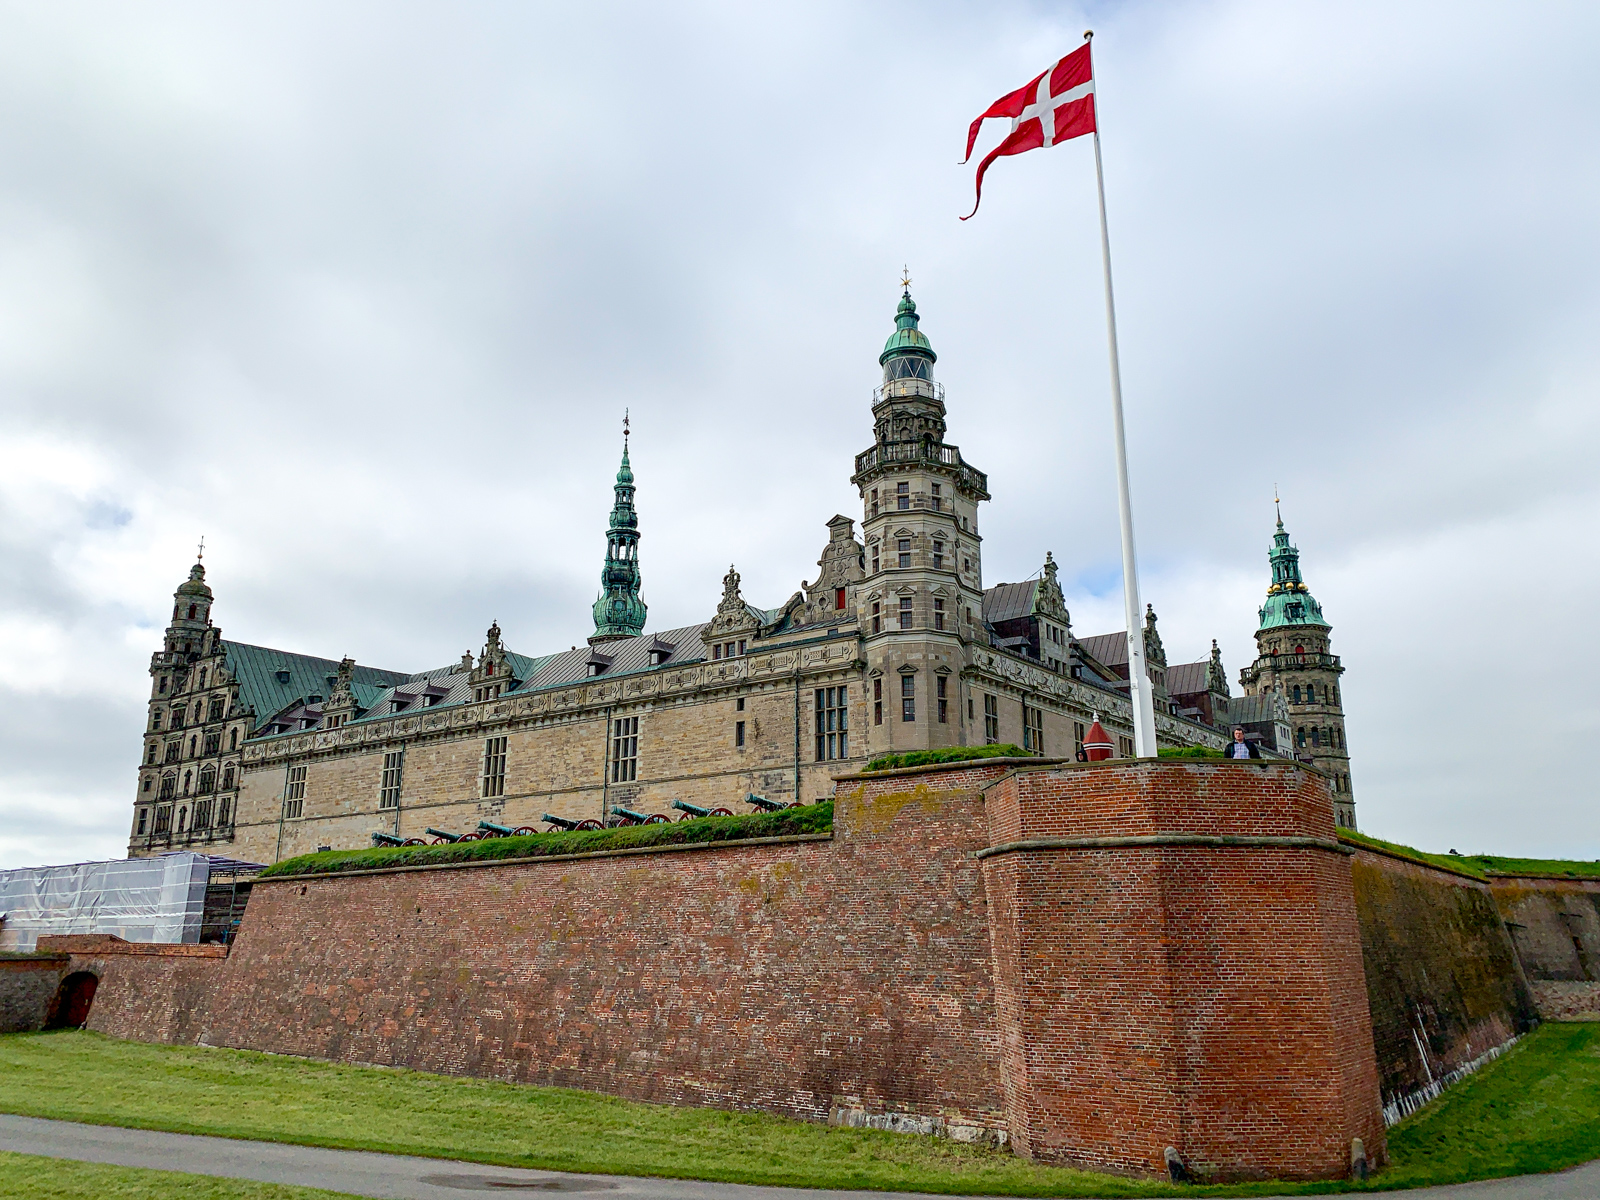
1047,111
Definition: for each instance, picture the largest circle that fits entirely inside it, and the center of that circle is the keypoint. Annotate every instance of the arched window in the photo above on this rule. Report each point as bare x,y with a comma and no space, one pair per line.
188,777
1300,736
191,612
183,817
192,744
202,680
233,740
227,777
1297,693
208,782
169,786
1316,736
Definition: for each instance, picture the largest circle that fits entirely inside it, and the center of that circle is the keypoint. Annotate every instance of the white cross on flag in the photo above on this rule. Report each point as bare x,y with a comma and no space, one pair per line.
1046,111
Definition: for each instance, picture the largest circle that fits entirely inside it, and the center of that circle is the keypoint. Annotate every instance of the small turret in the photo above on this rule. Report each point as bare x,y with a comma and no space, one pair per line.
619,612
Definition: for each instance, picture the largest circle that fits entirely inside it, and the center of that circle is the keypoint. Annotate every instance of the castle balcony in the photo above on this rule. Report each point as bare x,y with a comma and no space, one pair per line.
937,453
896,389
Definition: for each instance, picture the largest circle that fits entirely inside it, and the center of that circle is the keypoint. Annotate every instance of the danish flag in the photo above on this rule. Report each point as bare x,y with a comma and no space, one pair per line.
1046,111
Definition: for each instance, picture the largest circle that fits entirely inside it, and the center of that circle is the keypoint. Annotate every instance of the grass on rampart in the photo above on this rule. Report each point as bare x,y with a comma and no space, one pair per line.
1188,752
926,758
813,818
1535,1109
1480,865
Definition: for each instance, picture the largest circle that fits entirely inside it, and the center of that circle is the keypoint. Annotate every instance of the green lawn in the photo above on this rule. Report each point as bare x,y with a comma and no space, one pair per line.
29,1177
1538,1108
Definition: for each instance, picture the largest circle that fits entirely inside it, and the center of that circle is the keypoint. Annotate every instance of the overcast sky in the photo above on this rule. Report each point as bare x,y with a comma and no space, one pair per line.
360,293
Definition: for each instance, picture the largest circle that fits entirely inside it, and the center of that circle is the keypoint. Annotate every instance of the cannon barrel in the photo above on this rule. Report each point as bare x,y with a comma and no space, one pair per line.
498,830
558,822
682,806
763,802
628,814
387,839
440,833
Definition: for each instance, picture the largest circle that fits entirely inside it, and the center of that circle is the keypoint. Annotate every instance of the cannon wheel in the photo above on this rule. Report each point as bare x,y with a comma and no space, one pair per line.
474,836
591,824
413,842
688,817
440,842
655,819
523,831
720,812
795,804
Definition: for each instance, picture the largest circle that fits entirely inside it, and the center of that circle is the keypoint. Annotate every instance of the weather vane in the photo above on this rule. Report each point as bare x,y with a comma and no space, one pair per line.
905,277
624,424
202,552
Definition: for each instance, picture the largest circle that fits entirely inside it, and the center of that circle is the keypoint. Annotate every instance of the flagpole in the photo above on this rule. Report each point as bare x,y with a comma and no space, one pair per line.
1139,686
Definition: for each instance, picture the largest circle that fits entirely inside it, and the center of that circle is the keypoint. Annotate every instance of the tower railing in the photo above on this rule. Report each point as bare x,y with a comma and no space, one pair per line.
925,451
898,388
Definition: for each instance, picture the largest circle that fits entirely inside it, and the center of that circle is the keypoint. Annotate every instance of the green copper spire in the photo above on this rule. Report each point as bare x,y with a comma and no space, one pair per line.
907,354
1288,600
619,612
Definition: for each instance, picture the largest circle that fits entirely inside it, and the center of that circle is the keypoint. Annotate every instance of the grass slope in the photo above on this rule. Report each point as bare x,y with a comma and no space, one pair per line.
31,1177
813,818
925,758
1535,1109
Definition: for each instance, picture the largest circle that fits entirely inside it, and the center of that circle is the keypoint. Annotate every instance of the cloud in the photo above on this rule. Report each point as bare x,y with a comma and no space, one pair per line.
360,294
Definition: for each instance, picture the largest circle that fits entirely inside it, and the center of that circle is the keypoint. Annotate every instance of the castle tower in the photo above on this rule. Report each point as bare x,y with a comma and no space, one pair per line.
921,601
189,775
619,612
1295,659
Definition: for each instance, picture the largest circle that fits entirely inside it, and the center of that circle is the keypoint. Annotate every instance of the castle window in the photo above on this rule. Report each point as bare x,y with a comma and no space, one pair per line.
1316,736
991,719
1300,736
905,612
183,813
938,556
146,783
624,749
222,813
494,768
969,708
908,697
151,756
294,800
193,741
174,749
941,690
716,651
155,719
741,645
938,612
1297,693
161,686
233,740
169,787
1033,729
163,820
877,702
1124,747
1078,734
227,777
208,782
902,495
874,501
738,705
966,564
143,815
838,598
877,619
938,498
201,682
213,743
903,548
191,617
389,781
177,718
833,723
216,709
738,734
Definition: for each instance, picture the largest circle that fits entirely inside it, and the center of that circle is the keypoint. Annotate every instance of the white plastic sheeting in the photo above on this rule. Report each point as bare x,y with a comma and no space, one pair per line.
137,899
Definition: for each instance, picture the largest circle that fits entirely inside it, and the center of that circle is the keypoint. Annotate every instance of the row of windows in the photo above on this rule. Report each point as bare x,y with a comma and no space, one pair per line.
902,498
178,716
1330,694
211,745
162,822
1325,735
902,556
906,618
207,782
733,649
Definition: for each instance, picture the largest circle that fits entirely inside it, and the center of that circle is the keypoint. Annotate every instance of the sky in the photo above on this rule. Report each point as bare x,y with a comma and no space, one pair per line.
360,293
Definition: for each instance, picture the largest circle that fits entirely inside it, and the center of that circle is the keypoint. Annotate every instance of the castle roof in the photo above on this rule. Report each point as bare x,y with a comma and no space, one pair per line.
271,681
1289,601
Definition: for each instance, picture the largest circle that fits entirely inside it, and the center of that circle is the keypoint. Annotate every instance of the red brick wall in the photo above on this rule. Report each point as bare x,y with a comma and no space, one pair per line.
146,992
1205,997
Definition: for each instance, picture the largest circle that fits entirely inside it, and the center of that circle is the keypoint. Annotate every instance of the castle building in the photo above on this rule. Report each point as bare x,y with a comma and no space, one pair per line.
897,646
1295,661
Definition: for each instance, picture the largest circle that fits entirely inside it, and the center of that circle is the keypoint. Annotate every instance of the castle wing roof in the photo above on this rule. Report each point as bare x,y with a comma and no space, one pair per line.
1186,679
1109,649
1008,601
258,670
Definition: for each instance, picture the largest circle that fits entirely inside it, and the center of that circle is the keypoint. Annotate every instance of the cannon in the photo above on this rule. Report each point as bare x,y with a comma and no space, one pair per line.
441,836
563,823
387,839
488,829
693,811
629,817
770,805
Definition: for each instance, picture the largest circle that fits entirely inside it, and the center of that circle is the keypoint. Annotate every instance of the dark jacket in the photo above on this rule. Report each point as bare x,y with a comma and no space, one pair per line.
1255,751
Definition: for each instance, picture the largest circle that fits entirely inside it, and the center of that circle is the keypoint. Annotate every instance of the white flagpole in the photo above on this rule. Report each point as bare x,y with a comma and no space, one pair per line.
1139,687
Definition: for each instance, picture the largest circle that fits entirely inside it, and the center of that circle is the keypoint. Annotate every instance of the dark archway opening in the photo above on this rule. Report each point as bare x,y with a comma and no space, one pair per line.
73,998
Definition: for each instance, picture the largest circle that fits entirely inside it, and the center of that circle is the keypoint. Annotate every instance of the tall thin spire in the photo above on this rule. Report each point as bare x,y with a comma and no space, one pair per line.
619,612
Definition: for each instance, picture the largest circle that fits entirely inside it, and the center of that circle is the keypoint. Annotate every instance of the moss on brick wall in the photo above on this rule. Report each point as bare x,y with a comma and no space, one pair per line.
1442,976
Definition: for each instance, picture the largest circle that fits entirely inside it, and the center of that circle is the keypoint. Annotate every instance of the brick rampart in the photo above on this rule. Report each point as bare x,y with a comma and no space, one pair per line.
1178,965
1443,980
28,984
1188,985
1555,924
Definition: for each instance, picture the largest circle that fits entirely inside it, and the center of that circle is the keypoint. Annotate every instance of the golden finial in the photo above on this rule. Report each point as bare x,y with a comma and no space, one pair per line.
905,277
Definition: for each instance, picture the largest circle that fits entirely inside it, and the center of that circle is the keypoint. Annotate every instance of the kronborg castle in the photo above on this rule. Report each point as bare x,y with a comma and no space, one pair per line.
896,646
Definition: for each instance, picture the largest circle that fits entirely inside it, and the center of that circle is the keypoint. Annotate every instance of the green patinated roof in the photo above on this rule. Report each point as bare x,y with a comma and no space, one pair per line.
907,338
1289,601
257,667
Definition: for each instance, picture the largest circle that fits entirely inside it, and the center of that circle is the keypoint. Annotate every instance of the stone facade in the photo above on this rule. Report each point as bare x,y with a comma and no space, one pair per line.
896,646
